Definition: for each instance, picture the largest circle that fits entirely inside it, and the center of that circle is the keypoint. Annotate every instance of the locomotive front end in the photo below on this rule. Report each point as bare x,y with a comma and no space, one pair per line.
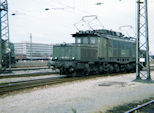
71,58
64,57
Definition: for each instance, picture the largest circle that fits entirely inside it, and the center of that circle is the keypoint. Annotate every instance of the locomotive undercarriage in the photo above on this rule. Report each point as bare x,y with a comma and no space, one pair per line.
76,68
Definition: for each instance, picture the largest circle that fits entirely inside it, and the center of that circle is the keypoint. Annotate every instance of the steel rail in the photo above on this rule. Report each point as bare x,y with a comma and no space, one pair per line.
28,68
7,84
140,107
13,86
27,74
4,88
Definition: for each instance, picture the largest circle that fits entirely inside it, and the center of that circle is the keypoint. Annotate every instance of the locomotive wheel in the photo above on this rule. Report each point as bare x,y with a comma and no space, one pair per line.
122,68
111,68
61,71
91,70
106,67
133,67
128,67
116,66
71,69
87,71
74,74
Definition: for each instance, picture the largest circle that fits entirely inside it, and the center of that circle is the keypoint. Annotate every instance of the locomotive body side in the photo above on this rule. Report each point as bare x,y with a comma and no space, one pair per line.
117,54
119,51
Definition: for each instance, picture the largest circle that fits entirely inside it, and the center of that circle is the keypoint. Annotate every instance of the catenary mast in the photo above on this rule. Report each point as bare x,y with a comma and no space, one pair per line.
4,29
142,40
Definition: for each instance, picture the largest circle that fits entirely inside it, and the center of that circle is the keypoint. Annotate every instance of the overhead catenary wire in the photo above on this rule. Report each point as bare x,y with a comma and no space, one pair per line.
69,7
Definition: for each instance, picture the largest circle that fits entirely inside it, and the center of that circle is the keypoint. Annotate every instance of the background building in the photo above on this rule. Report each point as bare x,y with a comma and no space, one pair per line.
26,50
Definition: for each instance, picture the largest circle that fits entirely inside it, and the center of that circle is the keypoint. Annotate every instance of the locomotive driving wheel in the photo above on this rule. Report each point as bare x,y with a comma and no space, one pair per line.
116,66
111,68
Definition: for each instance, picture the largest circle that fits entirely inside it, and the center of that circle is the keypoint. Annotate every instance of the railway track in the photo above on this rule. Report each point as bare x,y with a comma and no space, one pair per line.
28,68
14,86
22,69
144,108
34,74
27,74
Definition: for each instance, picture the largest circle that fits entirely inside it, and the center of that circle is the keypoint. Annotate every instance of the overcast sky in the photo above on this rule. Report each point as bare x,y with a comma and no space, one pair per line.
56,24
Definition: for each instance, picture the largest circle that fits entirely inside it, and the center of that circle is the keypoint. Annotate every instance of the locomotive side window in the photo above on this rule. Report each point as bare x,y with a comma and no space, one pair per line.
115,44
110,43
92,40
78,40
85,40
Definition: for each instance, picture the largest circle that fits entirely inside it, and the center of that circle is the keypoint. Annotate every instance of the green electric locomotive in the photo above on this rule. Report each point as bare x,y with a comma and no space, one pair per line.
95,52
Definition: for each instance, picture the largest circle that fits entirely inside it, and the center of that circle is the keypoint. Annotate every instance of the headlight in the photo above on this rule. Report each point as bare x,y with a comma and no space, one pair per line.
73,58
56,58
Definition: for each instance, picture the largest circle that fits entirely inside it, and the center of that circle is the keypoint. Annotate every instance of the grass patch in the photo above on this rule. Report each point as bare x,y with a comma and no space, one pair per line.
74,110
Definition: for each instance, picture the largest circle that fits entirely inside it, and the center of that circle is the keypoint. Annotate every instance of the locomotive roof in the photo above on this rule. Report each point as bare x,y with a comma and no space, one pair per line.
102,32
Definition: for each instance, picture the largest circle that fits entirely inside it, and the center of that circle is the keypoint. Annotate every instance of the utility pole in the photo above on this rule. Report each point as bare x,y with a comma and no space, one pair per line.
4,28
142,40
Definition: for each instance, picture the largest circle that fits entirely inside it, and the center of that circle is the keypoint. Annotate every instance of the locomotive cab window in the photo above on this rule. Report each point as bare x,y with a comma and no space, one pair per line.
85,40
92,40
78,40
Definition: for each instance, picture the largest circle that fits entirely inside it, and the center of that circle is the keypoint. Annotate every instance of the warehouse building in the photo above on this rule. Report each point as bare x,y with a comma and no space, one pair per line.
27,51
